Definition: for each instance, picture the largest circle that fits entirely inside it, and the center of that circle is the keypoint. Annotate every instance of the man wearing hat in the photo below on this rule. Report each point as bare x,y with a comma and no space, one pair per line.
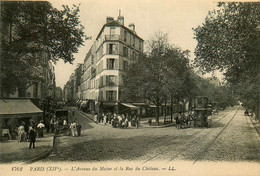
32,137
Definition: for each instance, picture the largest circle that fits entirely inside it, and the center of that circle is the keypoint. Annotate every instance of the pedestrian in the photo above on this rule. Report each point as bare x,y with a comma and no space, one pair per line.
120,121
40,128
52,124
178,116
126,122
105,119
73,129
65,122
32,137
21,133
137,121
95,117
78,126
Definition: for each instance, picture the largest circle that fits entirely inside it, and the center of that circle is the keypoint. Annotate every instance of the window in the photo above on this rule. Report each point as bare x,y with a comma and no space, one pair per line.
134,55
140,45
110,63
92,59
134,41
112,49
112,30
111,95
125,65
101,82
101,95
125,51
125,36
111,80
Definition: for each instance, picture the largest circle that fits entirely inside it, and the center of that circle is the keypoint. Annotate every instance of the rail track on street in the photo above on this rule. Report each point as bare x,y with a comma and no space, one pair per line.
210,144
195,140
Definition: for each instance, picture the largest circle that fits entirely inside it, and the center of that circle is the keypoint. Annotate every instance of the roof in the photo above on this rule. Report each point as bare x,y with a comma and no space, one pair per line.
18,108
116,23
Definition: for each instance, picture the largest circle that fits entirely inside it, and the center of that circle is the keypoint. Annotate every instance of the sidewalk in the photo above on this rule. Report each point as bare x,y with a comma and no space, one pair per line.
143,121
13,151
256,124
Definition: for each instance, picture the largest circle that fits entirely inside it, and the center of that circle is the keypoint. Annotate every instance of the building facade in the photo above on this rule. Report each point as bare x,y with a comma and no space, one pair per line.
71,89
115,47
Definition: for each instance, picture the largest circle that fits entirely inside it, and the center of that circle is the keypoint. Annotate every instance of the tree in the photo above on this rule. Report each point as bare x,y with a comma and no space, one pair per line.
229,40
36,32
159,75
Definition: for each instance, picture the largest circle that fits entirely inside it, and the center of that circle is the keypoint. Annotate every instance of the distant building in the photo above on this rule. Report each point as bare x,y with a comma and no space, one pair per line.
115,47
58,94
72,87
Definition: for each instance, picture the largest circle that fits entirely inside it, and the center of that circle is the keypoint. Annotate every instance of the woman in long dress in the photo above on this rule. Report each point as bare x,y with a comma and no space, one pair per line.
21,134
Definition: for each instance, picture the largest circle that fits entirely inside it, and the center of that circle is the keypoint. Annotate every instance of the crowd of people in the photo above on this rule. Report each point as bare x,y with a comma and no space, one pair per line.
51,124
117,120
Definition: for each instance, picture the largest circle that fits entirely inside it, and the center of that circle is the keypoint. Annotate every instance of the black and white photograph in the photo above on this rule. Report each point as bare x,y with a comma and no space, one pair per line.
130,87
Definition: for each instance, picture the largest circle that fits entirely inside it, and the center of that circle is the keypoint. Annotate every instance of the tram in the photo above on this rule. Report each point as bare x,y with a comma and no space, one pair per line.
202,109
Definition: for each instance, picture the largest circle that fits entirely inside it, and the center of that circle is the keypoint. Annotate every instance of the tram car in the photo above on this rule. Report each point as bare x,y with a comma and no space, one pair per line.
202,109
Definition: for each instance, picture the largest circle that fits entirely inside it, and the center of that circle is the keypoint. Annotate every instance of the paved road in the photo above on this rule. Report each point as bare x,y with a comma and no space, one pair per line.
231,137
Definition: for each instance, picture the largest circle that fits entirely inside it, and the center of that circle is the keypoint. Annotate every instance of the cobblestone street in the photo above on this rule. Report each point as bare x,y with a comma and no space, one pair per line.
231,137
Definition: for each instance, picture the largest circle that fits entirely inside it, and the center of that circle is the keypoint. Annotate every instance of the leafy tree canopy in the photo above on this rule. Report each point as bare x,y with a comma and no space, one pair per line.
161,74
229,40
34,33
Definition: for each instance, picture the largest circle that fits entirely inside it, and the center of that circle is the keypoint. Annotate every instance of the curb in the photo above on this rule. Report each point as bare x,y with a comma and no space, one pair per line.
162,126
82,113
255,126
44,155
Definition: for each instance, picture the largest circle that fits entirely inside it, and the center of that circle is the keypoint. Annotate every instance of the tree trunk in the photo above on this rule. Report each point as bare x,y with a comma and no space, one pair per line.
157,115
257,112
22,92
171,108
165,109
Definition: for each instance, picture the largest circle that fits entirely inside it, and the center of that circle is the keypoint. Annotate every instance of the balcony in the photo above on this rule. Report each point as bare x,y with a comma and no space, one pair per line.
115,37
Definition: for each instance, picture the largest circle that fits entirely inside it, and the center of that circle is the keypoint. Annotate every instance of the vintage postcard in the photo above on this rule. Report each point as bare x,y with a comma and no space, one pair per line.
130,87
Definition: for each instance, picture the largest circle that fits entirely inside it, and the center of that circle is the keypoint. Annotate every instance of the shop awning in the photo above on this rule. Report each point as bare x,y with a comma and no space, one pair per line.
152,106
109,103
139,104
130,105
18,108
84,103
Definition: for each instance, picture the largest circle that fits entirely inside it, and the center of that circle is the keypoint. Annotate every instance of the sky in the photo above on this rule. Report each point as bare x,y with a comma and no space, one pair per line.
177,18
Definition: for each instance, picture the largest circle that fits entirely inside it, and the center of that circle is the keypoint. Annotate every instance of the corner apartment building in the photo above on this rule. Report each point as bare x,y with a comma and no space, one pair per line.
115,47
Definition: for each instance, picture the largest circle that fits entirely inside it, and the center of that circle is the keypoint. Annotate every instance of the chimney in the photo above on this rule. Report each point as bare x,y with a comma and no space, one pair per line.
109,19
132,26
120,18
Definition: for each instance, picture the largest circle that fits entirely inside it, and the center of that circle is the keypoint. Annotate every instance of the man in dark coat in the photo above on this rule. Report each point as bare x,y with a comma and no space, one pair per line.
32,137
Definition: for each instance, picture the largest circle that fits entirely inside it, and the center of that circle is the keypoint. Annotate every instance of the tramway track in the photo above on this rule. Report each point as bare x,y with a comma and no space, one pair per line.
210,144
194,141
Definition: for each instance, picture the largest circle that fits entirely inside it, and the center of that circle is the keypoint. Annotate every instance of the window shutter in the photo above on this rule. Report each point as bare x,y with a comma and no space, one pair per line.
107,80
107,49
116,64
117,80
104,80
121,61
107,63
116,49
